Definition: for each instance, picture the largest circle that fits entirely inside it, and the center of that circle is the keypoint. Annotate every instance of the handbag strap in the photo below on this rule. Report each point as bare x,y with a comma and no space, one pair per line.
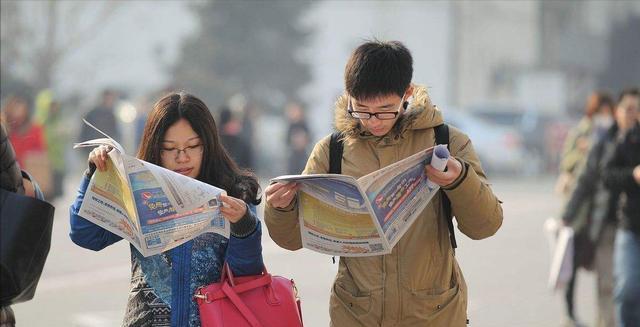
237,302
265,280
227,274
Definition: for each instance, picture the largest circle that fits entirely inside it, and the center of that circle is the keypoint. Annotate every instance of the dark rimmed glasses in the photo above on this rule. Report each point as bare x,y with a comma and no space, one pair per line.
381,115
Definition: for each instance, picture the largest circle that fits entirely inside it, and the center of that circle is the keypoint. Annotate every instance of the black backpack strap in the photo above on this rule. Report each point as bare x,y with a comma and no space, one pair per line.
442,137
442,134
336,146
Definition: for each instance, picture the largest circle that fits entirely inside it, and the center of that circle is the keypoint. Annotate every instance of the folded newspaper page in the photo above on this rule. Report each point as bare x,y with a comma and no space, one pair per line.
344,216
153,208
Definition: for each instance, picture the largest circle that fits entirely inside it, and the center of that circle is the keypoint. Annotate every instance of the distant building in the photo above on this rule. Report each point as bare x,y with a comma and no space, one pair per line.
423,26
501,49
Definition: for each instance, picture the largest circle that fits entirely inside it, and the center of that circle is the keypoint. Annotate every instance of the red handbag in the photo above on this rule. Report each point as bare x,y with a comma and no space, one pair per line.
256,301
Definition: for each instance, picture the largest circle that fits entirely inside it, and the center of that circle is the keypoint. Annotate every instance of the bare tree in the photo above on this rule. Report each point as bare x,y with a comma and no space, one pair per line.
37,35
249,47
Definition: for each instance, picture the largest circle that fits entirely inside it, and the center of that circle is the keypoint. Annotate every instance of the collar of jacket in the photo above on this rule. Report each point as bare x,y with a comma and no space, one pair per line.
421,114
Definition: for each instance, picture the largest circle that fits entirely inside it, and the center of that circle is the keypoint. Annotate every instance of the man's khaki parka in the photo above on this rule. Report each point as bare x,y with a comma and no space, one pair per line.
420,282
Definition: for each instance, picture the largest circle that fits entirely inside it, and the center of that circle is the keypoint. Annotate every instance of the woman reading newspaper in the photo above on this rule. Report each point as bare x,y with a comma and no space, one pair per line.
180,135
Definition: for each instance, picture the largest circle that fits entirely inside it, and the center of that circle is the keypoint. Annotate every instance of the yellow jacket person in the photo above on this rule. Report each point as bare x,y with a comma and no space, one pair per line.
383,119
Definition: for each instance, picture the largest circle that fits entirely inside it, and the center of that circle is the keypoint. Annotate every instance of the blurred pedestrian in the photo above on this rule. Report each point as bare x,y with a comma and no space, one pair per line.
598,118
181,135
298,138
143,109
57,137
248,115
231,135
103,117
243,112
622,176
28,140
26,136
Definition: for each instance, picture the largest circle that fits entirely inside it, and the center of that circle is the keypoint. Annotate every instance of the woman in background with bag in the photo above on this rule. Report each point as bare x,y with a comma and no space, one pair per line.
587,209
180,134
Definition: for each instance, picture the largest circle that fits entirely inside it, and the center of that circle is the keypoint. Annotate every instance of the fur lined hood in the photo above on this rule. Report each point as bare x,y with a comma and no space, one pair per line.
420,114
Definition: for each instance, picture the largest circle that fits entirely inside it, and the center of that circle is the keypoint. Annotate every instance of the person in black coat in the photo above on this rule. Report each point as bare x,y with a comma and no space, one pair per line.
298,138
622,176
231,131
103,116
592,200
22,259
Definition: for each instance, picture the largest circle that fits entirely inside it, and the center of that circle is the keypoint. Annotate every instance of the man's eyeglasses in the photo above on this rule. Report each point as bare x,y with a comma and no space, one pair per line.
381,115
190,151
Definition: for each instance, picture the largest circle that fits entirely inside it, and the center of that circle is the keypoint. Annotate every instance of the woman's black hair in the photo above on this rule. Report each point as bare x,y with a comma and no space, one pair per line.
218,169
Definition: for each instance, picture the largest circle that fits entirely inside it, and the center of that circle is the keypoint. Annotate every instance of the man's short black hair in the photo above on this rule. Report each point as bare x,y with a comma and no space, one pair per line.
632,91
378,68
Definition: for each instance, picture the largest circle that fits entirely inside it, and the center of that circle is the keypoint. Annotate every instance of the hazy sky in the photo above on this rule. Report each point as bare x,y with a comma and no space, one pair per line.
125,52
131,50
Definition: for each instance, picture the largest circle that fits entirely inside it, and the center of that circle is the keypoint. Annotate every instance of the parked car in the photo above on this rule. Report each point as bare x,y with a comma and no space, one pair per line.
542,133
529,123
499,147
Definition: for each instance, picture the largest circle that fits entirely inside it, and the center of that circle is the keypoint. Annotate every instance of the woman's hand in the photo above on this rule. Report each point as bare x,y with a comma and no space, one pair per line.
98,157
280,195
233,209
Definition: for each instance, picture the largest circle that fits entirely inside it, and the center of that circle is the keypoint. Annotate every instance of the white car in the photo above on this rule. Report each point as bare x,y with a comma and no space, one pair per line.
500,148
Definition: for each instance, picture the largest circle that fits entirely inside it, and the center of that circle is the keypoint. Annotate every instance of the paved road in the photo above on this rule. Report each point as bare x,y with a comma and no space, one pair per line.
506,274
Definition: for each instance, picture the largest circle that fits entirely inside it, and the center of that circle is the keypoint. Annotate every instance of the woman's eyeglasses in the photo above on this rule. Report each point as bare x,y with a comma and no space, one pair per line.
174,153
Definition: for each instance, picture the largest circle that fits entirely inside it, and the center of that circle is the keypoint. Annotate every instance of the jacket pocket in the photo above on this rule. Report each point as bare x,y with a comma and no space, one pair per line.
350,307
358,305
446,308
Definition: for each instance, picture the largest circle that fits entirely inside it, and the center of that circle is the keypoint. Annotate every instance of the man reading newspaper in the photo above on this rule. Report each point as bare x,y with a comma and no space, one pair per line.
383,118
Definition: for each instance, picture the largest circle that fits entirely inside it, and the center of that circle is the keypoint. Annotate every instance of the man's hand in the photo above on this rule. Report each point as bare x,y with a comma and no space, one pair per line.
280,195
446,177
636,174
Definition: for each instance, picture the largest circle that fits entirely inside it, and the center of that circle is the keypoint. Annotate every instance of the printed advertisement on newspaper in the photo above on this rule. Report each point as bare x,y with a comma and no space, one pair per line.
340,215
153,208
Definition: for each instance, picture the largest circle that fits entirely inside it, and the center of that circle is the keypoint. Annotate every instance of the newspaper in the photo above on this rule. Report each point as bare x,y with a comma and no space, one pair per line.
153,208
344,216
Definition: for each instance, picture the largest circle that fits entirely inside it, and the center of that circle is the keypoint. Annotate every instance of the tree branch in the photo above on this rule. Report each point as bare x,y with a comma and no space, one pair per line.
90,32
